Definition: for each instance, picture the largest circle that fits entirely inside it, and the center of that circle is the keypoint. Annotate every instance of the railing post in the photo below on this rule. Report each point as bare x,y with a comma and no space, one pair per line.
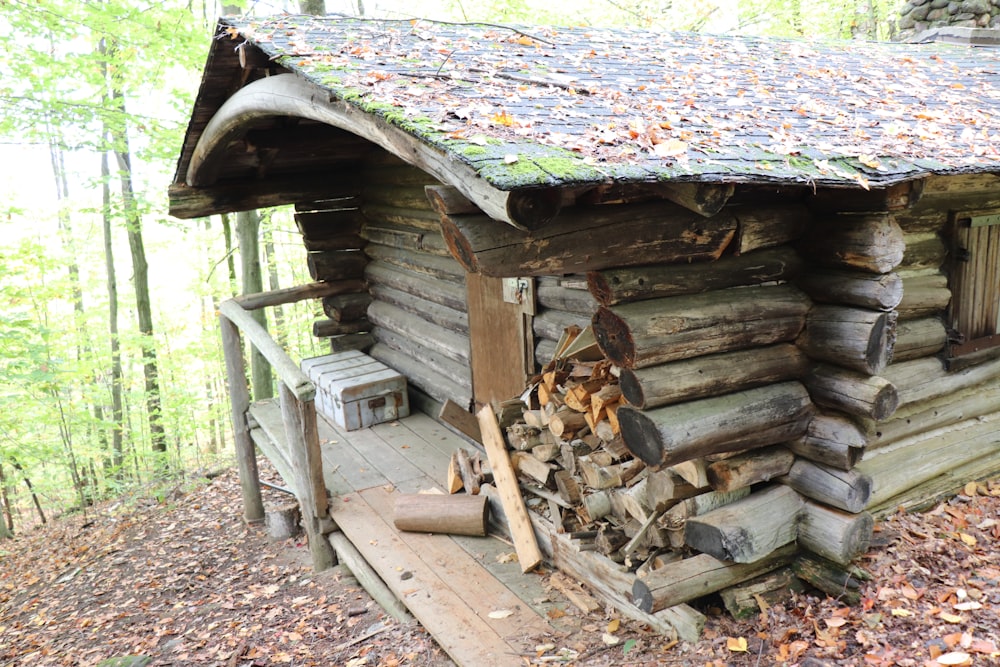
299,418
239,398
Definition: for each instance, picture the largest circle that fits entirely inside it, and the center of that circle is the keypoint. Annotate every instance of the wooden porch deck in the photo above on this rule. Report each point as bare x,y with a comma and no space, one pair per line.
450,584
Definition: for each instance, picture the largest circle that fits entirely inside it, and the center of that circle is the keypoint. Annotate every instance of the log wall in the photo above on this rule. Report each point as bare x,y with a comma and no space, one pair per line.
418,300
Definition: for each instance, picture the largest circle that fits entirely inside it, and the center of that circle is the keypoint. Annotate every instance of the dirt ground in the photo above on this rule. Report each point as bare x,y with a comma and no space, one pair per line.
182,580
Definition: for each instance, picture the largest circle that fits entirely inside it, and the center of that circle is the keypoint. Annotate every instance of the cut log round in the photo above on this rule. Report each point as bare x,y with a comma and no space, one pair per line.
848,490
647,333
336,264
857,394
458,514
752,418
854,338
835,535
711,375
875,291
623,285
740,471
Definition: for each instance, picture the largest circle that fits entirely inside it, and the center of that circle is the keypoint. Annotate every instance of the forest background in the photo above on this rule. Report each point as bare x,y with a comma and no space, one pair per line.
111,371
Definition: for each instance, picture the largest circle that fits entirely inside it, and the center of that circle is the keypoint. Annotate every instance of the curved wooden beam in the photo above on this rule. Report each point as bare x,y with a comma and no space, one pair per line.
290,95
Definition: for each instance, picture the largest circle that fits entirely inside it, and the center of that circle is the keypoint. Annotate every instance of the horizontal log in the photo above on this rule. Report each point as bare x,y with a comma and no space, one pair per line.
406,238
924,295
849,490
711,375
870,243
647,333
911,461
932,413
690,578
443,292
831,578
398,195
327,328
442,268
665,487
448,343
898,197
705,199
333,265
744,601
916,339
764,226
831,439
459,514
624,285
346,307
443,316
420,353
408,217
550,324
924,379
588,239
357,341
855,338
754,467
876,291
833,534
924,251
747,530
545,351
314,290
434,384
751,418
855,393
188,202
550,294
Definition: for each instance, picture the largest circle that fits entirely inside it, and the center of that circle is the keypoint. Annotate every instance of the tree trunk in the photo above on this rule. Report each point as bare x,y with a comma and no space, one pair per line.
273,284
117,374
313,7
7,521
31,490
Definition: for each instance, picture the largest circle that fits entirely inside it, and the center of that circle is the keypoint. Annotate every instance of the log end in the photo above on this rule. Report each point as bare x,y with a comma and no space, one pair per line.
642,596
530,209
641,437
459,246
885,403
599,288
614,337
632,388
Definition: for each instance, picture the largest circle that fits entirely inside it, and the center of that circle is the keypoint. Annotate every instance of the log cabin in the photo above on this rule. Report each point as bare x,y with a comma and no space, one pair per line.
786,254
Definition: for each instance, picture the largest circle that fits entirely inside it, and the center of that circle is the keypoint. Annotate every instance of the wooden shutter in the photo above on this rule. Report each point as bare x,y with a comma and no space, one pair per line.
975,282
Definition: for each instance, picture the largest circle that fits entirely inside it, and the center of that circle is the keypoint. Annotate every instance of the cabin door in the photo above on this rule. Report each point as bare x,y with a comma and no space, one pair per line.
500,332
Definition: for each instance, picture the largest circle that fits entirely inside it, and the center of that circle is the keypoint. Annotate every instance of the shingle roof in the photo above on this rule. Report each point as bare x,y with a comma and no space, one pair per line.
552,106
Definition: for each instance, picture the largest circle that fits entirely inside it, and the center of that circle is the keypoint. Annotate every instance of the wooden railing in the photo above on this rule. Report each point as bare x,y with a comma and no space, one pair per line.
298,412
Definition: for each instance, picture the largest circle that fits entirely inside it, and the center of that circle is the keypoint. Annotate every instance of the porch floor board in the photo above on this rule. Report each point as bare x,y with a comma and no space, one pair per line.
450,584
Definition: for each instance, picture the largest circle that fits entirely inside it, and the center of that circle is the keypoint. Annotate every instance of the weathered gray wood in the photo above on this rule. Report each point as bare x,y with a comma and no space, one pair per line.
690,578
764,226
898,197
331,265
239,401
408,217
849,490
870,243
743,601
401,195
924,379
443,316
328,328
837,581
855,393
446,200
623,285
193,202
711,375
879,291
933,413
647,333
443,292
288,371
355,341
916,339
747,530
705,199
368,578
665,487
406,238
744,470
430,266
854,338
451,344
913,460
316,290
833,534
924,251
588,239
550,294
748,419
550,324
454,514
420,374
346,307
924,295
831,439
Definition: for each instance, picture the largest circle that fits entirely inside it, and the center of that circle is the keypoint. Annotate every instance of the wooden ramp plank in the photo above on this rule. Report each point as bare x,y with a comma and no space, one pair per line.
465,634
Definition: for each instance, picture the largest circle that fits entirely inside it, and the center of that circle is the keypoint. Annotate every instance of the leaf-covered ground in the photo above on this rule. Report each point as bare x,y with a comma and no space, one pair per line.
180,579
